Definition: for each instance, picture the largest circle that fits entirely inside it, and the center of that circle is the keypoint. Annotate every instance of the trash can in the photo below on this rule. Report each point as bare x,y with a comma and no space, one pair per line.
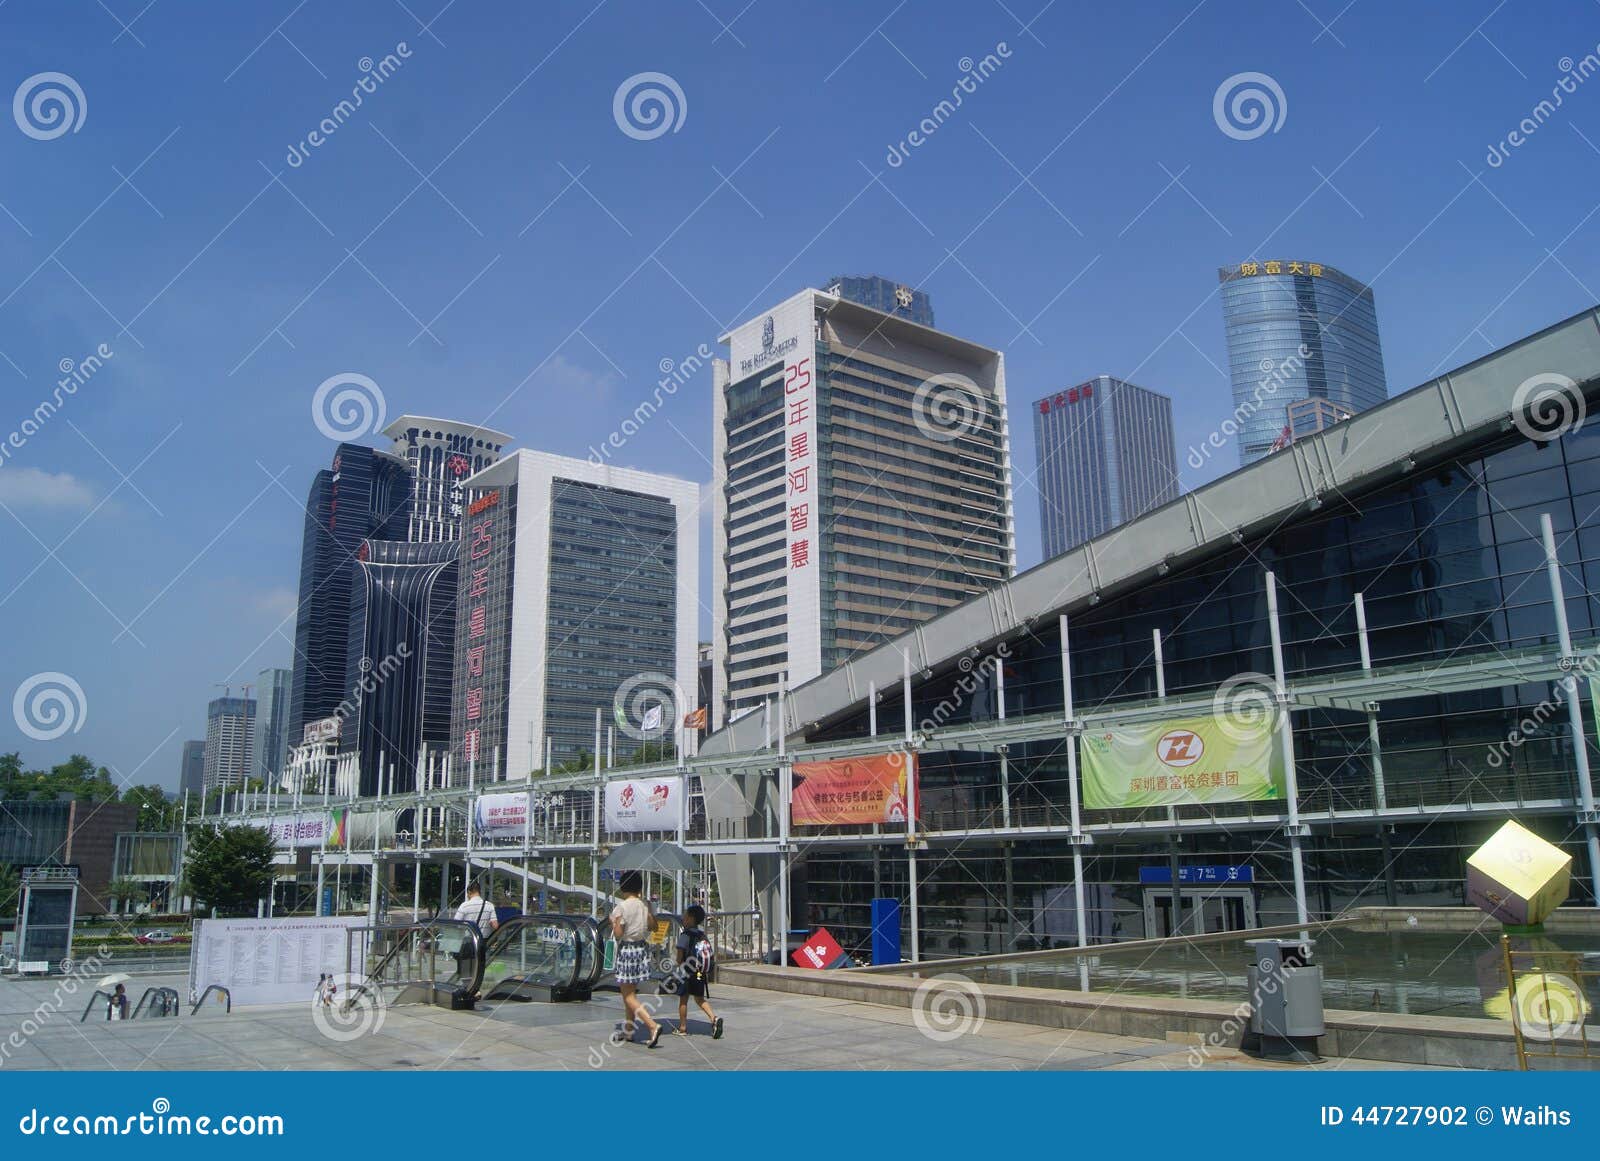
1285,997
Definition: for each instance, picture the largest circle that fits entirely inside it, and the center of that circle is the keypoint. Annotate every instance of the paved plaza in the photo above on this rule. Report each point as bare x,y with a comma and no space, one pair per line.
765,1030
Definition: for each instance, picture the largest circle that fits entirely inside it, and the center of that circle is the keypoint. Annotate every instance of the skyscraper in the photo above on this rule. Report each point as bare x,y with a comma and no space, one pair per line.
375,635
269,748
230,730
442,453
863,486
1106,455
192,768
365,493
1296,330
402,645
883,295
579,591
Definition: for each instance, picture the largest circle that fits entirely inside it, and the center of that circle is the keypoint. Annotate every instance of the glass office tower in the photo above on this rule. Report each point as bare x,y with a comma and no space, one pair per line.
269,750
1296,330
365,493
1106,455
378,573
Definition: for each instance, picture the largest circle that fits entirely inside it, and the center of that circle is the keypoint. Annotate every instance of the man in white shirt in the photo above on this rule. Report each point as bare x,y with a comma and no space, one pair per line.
478,910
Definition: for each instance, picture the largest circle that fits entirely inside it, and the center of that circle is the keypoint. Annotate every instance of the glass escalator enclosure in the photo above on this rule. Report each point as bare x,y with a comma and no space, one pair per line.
557,952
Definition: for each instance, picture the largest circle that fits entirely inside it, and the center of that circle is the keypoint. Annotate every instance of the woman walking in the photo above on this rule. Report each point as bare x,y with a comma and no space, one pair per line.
630,924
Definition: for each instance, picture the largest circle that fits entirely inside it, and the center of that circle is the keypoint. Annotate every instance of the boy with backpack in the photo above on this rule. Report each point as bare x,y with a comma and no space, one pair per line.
696,962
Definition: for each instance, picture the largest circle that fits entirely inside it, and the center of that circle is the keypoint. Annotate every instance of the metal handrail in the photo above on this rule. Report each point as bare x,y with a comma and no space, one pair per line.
1551,994
583,971
406,940
89,1007
167,997
227,998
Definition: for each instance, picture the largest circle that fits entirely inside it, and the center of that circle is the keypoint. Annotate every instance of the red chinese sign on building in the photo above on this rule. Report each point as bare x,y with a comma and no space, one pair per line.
800,460
480,661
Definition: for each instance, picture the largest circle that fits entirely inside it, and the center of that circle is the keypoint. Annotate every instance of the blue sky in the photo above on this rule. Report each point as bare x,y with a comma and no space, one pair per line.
483,241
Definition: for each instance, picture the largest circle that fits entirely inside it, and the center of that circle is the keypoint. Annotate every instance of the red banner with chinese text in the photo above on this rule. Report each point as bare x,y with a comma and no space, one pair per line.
844,791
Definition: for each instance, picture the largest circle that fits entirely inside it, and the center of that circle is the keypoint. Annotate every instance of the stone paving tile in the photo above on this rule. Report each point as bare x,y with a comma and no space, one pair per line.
766,1031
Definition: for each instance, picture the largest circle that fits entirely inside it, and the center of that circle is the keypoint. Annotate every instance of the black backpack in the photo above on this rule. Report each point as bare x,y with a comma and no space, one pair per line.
700,958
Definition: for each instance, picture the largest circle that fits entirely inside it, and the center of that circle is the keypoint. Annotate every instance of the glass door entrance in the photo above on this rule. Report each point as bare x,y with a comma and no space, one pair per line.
1220,909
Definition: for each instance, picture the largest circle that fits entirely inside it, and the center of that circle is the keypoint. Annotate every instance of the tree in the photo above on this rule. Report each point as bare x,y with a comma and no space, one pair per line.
10,890
230,868
124,890
77,776
155,812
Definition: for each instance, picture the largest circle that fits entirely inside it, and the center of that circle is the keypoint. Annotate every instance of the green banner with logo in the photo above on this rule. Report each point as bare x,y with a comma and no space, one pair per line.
1179,763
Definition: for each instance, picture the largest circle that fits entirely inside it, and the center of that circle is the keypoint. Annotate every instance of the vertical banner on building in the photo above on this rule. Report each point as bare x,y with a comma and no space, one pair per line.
1180,763
478,719
338,829
785,339
853,791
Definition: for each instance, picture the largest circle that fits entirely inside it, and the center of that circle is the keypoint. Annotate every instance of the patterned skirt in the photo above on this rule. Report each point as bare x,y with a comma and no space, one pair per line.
633,963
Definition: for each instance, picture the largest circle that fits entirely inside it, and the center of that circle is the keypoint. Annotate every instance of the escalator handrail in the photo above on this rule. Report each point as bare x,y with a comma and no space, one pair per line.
581,926
408,932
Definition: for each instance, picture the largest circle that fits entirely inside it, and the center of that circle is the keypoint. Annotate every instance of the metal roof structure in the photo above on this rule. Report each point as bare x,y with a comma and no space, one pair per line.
1417,429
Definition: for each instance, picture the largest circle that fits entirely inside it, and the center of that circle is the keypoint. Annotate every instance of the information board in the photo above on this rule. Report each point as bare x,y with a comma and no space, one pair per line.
268,961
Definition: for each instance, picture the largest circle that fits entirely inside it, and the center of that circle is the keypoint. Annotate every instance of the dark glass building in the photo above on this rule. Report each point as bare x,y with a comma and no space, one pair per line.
883,295
192,767
365,494
1296,330
78,834
1430,508
378,575
402,646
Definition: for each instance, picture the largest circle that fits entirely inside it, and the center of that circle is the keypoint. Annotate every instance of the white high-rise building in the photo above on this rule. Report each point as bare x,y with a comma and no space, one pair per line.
579,590
863,486
230,730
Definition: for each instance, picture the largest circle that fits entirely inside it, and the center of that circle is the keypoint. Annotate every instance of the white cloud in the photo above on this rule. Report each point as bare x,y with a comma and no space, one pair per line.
32,488
280,603
570,381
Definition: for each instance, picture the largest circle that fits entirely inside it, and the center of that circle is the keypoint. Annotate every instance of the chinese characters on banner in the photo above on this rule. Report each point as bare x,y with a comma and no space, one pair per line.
802,497
301,830
1179,763
845,791
501,815
800,462
480,535
641,807
460,468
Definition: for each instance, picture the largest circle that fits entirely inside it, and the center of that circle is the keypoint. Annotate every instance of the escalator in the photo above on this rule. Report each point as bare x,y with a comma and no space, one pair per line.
552,958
